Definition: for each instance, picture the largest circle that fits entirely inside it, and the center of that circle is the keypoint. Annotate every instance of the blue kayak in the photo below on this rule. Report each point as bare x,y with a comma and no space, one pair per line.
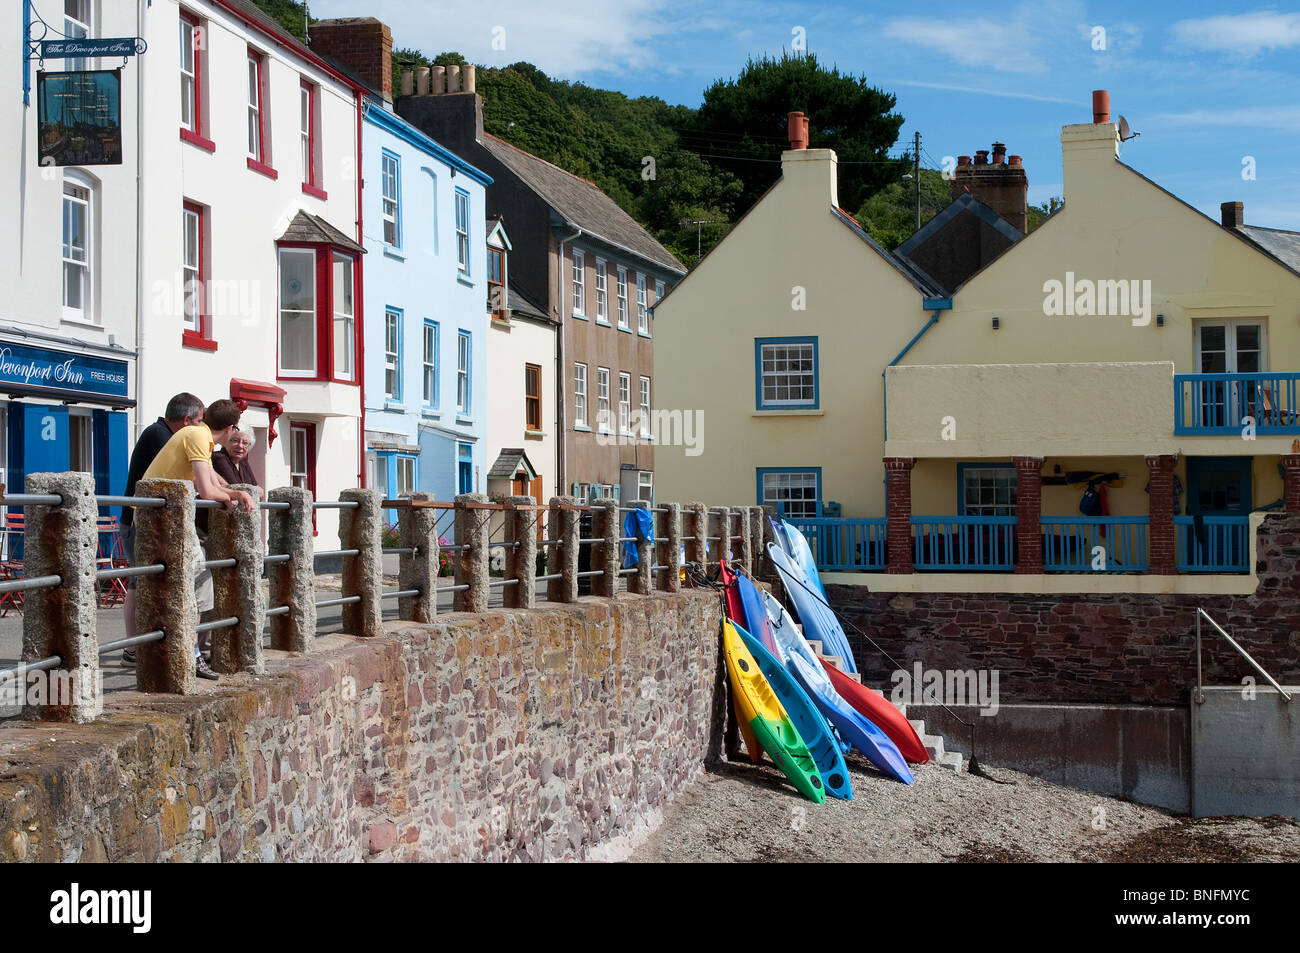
812,727
819,622
756,623
797,548
852,725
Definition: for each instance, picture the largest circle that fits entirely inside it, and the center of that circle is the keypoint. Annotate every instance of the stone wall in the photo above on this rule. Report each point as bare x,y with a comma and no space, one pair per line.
1112,648
545,734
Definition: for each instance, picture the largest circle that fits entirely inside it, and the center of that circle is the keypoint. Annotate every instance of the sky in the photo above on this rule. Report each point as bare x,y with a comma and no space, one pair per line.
1213,92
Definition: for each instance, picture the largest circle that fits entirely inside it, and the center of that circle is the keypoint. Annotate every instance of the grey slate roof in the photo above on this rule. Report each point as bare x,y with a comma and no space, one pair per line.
307,227
507,464
963,203
1281,244
582,204
518,304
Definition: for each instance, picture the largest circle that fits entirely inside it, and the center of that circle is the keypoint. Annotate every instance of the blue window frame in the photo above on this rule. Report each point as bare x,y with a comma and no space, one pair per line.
465,467
392,354
786,374
462,231
429,364
795,491
464,381
401,475
986,489
390,186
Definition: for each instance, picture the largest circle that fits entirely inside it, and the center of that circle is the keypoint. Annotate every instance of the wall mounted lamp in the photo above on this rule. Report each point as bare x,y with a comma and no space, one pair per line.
996,323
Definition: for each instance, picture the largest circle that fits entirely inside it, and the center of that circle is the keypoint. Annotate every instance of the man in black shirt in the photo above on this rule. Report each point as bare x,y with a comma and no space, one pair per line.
183,410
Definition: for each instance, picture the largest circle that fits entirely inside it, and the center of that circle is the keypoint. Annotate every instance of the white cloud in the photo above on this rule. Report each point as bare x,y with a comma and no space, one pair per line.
979,91
1008,43
563,38
1277,118
1243,33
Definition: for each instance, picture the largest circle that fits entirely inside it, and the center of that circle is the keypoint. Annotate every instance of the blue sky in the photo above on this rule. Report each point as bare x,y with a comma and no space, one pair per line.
1206,87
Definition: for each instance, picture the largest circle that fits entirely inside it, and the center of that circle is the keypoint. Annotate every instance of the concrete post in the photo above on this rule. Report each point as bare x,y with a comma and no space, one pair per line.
643,580
291,583
604,555
361,527
670,551
166,601
563,524
417,528
473,519
742,546
60,620
1029,508
521,559
697,526
898,477
237,591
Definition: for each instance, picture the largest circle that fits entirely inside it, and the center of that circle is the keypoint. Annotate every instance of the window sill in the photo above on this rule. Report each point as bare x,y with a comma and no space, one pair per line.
263,168
394,405
464,421
581,317
534,435
465,280
625,329
309,189
502,322
643,334
581,429
391,252
789,412
604,324
82,323
194,139
195,340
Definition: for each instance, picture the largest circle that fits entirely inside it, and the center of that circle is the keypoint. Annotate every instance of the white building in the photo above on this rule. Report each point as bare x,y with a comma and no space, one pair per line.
251,144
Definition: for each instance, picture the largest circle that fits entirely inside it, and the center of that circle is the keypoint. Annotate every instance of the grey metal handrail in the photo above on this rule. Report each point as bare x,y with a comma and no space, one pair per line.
1200,692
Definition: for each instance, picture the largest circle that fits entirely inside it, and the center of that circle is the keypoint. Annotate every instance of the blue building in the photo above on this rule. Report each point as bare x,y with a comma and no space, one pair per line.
426,318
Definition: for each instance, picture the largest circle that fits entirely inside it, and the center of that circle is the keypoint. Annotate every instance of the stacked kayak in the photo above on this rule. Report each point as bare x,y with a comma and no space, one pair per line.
819,622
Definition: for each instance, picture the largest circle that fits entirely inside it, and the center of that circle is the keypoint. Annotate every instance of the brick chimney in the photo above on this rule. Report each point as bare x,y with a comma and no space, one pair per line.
1001,184
1232,214
362,44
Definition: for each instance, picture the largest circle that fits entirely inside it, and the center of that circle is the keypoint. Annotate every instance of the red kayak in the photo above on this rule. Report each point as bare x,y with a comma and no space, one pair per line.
735,608
881,712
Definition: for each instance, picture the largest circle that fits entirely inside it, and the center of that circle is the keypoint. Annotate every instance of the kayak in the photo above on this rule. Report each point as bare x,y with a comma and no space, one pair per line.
735,611
757,706
755,622
852,725
799,551
807,720
881,711
819,622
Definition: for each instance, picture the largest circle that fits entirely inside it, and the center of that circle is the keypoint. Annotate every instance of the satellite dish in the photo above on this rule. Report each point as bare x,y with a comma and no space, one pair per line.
1124,133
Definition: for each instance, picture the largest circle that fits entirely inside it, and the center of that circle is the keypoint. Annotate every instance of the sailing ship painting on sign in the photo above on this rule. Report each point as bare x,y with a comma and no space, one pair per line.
80,117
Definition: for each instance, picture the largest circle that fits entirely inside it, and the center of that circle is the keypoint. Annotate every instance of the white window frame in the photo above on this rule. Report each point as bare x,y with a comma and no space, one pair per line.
602,400
346,318
580,395
994,479
462,232
81,200
642,319
778,374
621,290
189,78
306,97
624,402
255,128
299,453
313,371
645,486
191,269
602,295
430,364
578,281
392,354
464,355
390,178
778,481
79,27
406,474
645,407
1230,326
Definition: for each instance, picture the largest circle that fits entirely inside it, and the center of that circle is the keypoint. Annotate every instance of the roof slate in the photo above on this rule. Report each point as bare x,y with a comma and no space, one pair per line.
307,227
1280,243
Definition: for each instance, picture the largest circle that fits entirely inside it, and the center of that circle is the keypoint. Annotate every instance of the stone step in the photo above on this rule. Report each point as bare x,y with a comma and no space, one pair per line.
918,725
934,745
816,645
953,761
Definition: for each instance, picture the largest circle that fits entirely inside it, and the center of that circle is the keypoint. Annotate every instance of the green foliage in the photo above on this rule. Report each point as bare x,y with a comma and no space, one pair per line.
287,13
889,216
1043,210
744,119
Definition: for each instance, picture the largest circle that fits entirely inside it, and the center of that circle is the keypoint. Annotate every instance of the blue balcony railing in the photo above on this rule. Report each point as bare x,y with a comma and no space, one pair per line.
1095,543
1212,543
964,543
845,545
1218,404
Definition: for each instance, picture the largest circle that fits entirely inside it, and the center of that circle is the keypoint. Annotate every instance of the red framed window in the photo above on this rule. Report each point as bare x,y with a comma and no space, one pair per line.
259,146
197,321
318,326
302,460
308,140
193,47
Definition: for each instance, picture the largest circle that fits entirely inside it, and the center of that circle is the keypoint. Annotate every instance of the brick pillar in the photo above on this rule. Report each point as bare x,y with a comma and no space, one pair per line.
1029,507
1160,503
898,474
1291,482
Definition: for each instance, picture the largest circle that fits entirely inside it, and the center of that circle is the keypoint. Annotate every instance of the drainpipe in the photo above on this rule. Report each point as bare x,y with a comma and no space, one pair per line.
358,332
935,304
560,455
140,114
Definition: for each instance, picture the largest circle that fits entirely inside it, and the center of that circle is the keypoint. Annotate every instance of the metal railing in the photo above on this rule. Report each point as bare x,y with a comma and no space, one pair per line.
964,543
1218,544
1113,544
845,544
1200,691
1226,404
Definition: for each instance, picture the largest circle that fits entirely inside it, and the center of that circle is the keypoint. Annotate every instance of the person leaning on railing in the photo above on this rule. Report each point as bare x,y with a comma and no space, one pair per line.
183,410
188,456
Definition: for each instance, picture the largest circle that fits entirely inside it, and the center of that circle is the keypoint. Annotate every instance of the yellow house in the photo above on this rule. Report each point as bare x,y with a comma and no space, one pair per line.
1117,392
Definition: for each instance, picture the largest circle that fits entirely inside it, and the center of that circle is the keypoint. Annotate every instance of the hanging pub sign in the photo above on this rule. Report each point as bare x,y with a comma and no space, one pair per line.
74,48
79,117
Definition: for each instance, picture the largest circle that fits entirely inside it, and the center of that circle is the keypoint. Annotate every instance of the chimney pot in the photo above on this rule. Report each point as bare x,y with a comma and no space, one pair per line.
1015,161
438,80
1100,105
963,160
408,81
467,77
981,157
999,152
1232,214
453,78
422,81
796,125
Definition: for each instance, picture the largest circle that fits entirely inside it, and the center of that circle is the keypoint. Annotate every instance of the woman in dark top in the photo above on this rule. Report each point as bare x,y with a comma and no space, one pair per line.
231,461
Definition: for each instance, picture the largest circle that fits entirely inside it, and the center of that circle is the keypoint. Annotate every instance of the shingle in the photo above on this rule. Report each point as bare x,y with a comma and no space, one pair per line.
1281,244
306,227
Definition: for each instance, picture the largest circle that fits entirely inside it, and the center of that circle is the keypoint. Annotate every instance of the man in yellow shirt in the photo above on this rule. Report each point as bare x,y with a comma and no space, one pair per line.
188,456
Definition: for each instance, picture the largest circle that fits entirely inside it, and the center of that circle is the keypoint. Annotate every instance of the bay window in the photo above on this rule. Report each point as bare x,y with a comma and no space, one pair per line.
344,320
317,313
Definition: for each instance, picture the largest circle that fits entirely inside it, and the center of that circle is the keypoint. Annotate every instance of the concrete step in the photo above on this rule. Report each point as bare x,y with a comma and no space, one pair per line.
918,725
934,745
953,761
816,645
